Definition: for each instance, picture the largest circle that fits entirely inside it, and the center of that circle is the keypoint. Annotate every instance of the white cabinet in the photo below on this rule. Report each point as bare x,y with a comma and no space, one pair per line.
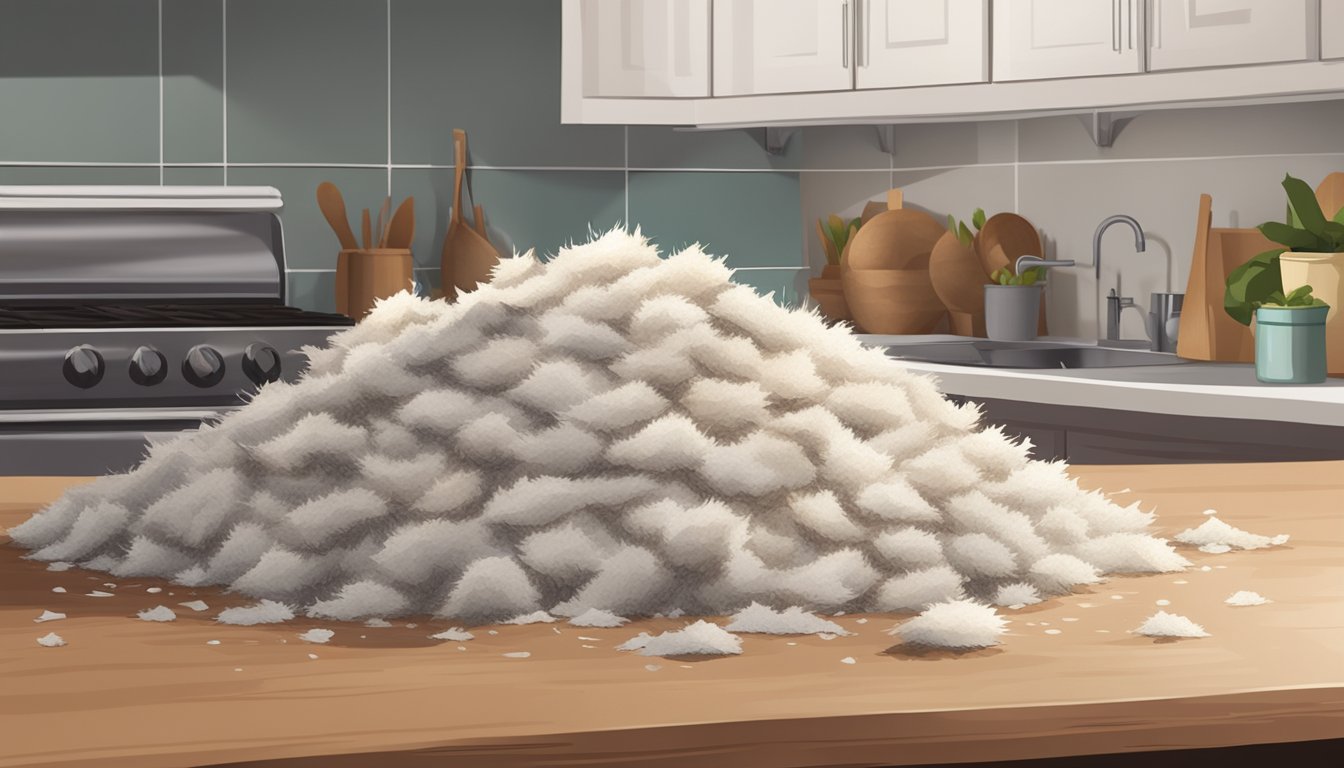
922,42
1041,39
1332,29
1218,33
783,46
645,48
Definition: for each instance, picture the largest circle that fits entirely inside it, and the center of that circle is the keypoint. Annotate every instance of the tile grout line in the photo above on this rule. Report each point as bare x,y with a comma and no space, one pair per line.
1017,164
161,173
626,165
224,85
389,98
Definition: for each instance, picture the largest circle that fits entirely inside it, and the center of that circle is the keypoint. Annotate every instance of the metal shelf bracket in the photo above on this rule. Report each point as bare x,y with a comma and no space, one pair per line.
1103,127
886,138
777,139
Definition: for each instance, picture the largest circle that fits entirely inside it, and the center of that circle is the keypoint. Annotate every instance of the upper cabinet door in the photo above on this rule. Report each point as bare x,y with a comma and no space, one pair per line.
1332,29
783,46
1039,39
655,48
922,42
1219,33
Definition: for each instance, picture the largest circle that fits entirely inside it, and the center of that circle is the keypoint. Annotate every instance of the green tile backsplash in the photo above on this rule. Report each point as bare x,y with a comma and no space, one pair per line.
366,94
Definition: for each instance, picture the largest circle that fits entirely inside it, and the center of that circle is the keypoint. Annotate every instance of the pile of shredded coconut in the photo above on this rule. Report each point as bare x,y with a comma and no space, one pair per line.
609,434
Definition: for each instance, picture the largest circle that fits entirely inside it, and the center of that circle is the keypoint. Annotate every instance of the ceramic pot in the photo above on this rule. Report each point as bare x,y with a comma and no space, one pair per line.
1324,272
829,294
1012,311
892,301
1290,345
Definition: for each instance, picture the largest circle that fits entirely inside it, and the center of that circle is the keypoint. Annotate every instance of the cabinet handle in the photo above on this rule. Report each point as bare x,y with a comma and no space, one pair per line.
844,34
1129,13
1115,25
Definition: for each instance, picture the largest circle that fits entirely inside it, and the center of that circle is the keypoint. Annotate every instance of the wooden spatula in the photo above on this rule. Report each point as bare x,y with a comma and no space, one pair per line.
384,218
468,257
401,229
332,205
366,229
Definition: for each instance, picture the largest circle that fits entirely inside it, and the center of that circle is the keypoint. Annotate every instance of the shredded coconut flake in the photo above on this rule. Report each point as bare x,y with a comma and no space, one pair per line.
1244,598
51,640
158,613
1163,624
456,635
49,616
264,612
954,624
762,619
1216,533
317,635
596,617
700,638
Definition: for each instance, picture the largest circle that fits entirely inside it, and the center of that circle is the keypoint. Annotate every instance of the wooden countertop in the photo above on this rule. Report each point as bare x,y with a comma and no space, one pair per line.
131,693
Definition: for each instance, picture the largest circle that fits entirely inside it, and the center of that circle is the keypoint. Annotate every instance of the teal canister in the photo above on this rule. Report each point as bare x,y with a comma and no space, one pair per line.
1290,345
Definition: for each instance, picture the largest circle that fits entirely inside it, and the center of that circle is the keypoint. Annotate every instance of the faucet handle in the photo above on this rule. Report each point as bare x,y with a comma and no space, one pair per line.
1029,262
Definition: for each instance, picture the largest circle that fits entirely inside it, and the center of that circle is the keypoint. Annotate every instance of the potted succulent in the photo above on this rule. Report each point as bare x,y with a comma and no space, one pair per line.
1013,304
1289,292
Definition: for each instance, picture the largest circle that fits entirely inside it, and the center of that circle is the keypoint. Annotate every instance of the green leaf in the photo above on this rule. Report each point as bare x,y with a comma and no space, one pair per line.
1339,216
1251,285
1295,239
1298,295
964,233
978,218
1032,276
951,224
1302,198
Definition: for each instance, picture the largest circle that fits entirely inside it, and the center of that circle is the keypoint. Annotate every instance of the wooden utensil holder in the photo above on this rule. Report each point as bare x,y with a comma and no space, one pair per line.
372,274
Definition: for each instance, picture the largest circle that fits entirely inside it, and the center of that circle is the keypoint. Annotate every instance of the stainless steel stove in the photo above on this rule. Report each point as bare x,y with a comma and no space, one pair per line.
129,313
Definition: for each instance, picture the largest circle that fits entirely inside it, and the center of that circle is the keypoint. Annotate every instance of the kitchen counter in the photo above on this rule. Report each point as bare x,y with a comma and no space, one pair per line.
1195,389
125,692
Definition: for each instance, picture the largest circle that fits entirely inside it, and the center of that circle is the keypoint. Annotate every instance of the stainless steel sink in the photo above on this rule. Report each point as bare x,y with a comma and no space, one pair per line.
1028,354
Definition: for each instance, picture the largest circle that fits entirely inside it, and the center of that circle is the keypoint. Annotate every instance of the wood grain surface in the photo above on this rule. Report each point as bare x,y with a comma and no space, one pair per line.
130,693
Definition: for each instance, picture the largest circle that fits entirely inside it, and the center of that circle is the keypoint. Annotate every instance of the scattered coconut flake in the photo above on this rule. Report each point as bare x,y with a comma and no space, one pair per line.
196,605
60,565
317,635
461,647
264,612
1164,602
1086,605
1244,598
700,638
590,639
49,616
517,655
827,635
109,585
98,593
456,634
212,642
1180,581
1214,532
1068,618
536,617
378,623
1215,549
589,646
1205,568
237,669
158,613
1117,597
761,619
58,590
1163,624
312,655
1210,511
1103,631
154,590
652,667
596,617
953,624
1054,631
860,621
790,643
492,632
848,660
51,640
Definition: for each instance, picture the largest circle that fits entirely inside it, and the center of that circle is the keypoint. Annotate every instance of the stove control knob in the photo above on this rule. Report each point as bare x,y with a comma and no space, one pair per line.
148,366
261,363
203,366
83,366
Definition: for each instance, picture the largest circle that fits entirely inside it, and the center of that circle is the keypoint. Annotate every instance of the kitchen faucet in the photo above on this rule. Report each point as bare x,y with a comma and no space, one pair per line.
1115,303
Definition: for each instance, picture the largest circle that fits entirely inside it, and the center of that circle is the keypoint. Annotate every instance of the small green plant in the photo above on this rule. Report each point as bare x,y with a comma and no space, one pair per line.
1299,298
1005,276
962,231
839,231
1259,281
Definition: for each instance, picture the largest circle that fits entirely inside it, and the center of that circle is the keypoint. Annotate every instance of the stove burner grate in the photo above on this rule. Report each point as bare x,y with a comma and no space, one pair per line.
162,315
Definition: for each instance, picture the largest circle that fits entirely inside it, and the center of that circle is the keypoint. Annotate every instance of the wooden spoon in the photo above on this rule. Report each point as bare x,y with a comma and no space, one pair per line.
479,212
332,205
366,229
384,219
1004,238
401,229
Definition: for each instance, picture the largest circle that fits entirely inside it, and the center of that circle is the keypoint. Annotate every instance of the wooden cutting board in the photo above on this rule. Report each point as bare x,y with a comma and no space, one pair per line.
1207,331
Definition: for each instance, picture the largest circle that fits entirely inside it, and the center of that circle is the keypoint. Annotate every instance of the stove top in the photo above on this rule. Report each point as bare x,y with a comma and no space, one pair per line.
163,315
